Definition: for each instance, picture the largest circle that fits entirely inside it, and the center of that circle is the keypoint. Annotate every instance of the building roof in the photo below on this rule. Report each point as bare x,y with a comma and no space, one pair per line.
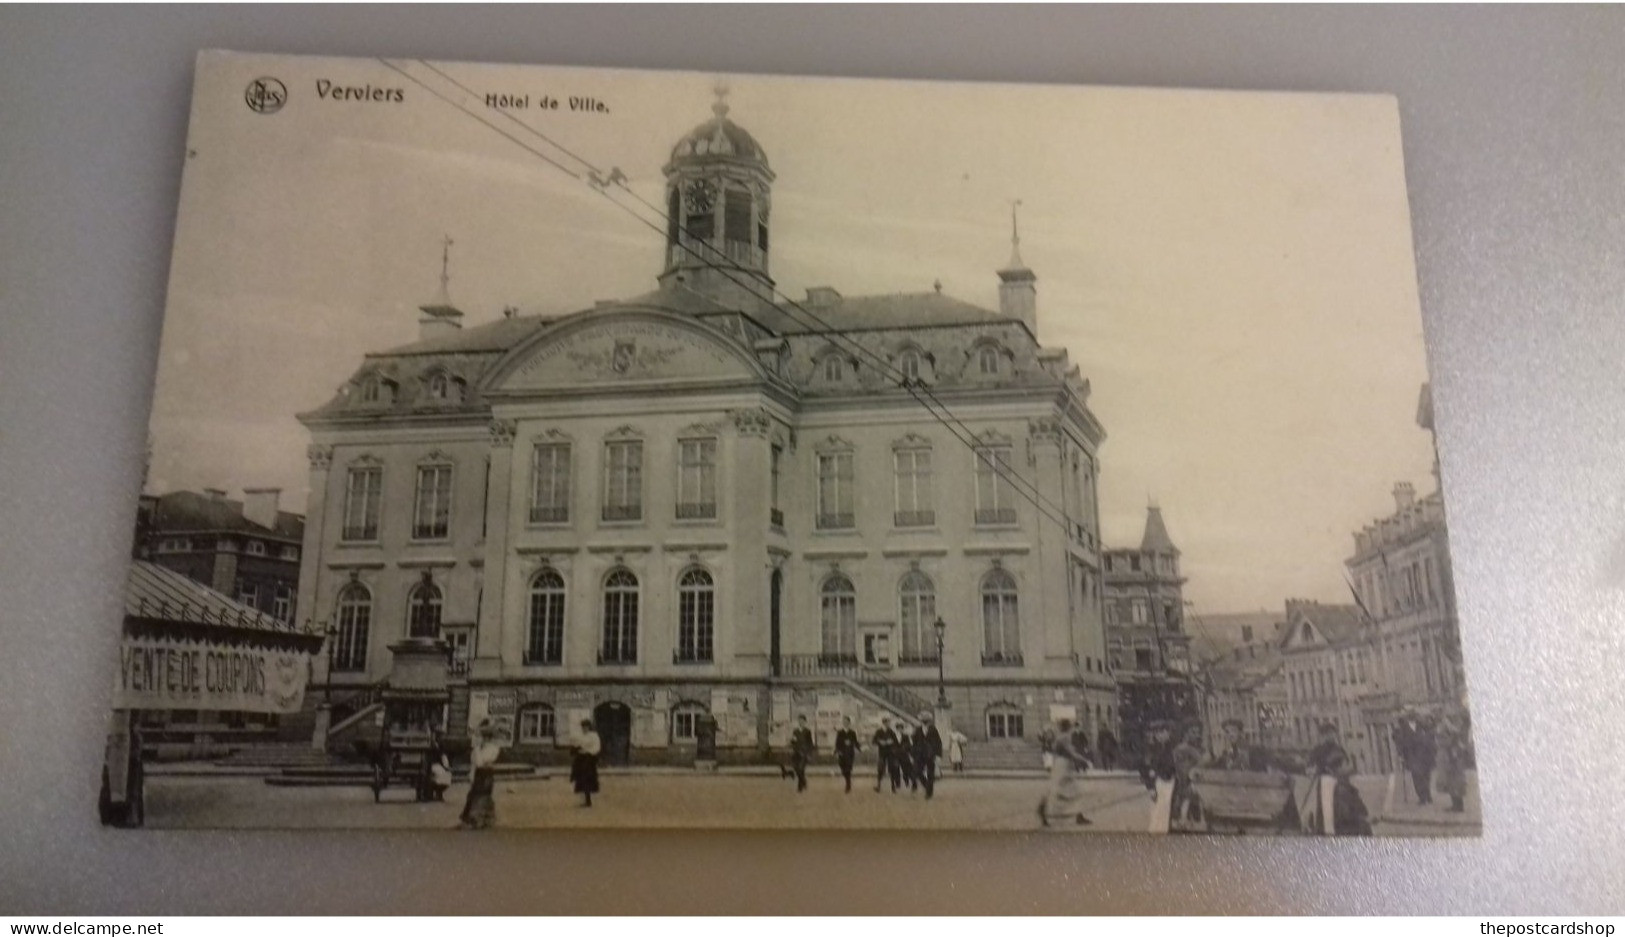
718,137
154,593
189,511
1156,537
892,311
1335,623
1217,636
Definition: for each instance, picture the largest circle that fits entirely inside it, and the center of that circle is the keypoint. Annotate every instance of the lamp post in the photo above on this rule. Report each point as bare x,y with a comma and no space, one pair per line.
942,691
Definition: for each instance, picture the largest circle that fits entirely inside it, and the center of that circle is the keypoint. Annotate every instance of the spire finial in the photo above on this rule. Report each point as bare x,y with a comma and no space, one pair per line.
445,270
720,108
1015,238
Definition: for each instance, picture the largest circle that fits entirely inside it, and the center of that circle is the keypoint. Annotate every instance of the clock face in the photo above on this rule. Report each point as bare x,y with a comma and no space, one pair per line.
701,196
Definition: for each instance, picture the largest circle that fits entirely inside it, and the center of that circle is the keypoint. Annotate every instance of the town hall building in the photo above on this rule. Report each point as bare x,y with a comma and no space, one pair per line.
700,507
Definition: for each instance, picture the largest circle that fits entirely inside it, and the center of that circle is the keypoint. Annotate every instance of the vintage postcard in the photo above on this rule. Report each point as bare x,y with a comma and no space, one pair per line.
542,447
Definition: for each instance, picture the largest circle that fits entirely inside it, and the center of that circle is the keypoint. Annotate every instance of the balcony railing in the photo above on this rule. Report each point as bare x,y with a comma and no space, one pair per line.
836,521
692,656
697,511
917,660
362,534
614,657
623,512
846,666
549,515
914,518
776,517
1001,659
548,659
995,515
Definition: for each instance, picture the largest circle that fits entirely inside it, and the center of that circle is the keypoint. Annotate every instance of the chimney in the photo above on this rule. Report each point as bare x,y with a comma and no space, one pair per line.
1404,496
822,296
260,506
215,494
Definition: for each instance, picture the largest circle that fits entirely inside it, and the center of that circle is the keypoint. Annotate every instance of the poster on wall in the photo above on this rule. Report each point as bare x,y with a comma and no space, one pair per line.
671,401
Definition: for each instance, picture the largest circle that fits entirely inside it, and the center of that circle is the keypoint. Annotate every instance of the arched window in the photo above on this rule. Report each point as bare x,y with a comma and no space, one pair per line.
833,368
538,725
354,621
545,636
439,386
916,612
909,364
839,606
685,721
620,644
696,617
987,360
370,389
1001,627
423,611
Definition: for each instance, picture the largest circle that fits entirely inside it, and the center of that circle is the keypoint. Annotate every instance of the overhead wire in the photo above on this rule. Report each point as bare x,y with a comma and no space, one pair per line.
1021,486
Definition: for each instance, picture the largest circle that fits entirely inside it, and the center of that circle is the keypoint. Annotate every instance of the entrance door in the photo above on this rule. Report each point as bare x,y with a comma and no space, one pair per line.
614,723
775,588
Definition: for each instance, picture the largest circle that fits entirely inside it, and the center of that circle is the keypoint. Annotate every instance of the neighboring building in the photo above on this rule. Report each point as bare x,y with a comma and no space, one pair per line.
692,503
1326,667
247,550
1246,680
1148,646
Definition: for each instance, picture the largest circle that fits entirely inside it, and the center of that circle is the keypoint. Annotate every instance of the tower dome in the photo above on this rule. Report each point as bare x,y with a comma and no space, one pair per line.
718,138
718,195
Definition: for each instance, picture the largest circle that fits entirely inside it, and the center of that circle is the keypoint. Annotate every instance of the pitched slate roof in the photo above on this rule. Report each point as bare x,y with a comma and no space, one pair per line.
893,311
1156,533
190,511
154,593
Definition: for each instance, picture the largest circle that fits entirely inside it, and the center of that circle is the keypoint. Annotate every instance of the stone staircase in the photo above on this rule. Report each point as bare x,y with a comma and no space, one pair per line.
277,755
1003,756
867,681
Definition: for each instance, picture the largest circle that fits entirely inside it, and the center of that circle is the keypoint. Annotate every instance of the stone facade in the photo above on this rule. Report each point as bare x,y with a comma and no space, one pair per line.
697,501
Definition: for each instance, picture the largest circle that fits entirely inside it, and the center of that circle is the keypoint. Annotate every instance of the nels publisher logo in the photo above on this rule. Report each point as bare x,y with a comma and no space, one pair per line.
265,95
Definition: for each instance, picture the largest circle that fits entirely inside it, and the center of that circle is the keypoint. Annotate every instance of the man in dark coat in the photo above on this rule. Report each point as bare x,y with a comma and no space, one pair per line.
1235,754
846,750
1419,760
801,752
1107,747
885,742
903,756
927,749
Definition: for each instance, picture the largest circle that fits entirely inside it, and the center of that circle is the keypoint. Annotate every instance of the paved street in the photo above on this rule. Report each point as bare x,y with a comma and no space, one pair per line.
671,801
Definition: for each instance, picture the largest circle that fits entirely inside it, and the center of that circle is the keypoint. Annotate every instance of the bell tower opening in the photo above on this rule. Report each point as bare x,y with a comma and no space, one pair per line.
718,187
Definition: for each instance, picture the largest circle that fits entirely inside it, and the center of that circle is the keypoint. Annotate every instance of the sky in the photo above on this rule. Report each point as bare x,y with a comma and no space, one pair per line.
1232,271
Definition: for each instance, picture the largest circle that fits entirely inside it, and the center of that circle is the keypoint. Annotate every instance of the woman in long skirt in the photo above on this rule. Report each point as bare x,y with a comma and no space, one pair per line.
584,766
480,809
1064,800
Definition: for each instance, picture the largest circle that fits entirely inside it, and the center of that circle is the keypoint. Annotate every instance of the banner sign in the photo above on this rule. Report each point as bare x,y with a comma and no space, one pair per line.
155,673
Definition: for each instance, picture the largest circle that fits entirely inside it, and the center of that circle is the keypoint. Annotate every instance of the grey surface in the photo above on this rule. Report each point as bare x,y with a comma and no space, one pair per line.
1514,133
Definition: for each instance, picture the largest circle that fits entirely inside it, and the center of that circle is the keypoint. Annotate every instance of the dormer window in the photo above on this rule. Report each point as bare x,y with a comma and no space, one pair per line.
439,386
909,364
370,391
988,360
834,368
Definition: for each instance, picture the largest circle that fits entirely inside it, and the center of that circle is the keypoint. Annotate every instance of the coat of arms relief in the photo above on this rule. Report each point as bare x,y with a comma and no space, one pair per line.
623,359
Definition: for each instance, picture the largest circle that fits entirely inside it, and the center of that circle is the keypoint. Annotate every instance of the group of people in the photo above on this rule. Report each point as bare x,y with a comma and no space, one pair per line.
907,758
1424,745
479,807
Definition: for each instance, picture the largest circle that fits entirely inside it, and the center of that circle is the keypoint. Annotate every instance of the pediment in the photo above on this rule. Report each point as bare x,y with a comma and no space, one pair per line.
636,349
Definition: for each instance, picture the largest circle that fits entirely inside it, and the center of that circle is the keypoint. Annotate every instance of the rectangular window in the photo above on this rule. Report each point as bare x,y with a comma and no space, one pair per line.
835,511
995,496
697,478
432,518
536,725
683,725
736,215
1004,725
550,483
623,481
248,594
282,605
1142,658
1137,611
775,455
362,492
912,471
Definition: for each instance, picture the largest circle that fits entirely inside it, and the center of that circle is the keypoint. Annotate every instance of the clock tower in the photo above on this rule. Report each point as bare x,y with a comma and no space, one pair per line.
718,197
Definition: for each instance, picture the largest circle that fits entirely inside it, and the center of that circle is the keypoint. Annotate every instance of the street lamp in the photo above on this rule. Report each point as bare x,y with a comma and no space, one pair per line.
942,692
